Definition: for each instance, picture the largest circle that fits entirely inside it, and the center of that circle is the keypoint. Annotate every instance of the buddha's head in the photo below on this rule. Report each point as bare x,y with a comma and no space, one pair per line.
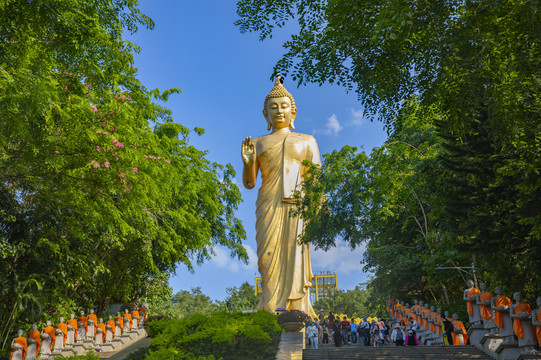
420,303
407,305
438,310
101,320
446,313
432,308
470,283
82,313
110,317
62,319
34,327
20,332
279,108
416,302
455,316
517,296
72,316
498,290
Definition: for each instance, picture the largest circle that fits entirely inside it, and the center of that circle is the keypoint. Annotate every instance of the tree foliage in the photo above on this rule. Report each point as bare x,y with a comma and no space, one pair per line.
242,298
354,303
99,189
458,178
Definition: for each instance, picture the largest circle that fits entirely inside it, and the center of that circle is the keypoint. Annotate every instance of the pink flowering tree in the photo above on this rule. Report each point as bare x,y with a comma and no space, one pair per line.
99,189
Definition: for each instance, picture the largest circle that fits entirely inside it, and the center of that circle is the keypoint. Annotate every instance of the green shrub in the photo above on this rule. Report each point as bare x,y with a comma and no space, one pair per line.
221,335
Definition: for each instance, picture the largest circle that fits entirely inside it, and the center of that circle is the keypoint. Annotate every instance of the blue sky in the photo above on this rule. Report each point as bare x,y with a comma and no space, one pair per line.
225,77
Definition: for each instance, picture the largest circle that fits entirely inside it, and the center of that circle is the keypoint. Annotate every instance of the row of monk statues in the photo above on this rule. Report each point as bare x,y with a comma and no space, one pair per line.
513,323
426,321
494,317
86,329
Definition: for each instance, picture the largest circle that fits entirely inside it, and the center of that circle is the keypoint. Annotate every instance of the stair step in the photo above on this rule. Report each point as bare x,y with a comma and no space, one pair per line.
393,352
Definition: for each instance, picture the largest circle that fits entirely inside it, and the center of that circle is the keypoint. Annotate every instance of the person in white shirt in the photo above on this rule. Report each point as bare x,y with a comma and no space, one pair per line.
414,325
312,333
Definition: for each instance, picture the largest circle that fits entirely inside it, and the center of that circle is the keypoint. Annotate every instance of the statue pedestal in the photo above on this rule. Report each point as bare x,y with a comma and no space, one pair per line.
291,346
117,343
490,343
475,319
107,347
506,351
476,334
81,348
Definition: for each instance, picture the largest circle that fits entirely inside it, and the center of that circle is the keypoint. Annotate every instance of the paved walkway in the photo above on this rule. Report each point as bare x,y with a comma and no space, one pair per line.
143,343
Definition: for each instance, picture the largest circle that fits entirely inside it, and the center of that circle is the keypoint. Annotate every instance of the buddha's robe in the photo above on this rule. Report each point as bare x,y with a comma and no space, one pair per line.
413,313
284,265
51,332
459,324
407,314
120,320
472,291
21,340
517,325
537,329
431,317
103,331
64,328
34,334
73,324
426,314
485,313
420,315
397,314
500,301
128,316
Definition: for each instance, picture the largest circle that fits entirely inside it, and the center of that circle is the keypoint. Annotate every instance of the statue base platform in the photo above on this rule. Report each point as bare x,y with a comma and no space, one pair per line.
490,343
107,347
508,351
476,334
291,346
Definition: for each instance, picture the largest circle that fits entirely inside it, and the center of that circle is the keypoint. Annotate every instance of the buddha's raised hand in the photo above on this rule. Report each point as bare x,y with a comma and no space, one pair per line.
248,151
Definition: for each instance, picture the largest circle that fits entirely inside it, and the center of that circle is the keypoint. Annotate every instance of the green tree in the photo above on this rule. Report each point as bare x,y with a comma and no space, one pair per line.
99,189
187,303
353,303
241,298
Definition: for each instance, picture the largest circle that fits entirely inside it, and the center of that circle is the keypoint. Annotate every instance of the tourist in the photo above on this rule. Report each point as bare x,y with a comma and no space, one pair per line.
344,328
312,333
336,334
414,325
364,332
398,336
375,333
411,339
354,328
381,326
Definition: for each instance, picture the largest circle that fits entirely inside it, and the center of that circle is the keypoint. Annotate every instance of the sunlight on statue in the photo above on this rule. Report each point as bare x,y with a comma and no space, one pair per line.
284,265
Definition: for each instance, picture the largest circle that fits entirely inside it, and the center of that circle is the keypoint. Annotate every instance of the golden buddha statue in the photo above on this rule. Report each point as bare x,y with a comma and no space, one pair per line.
284,264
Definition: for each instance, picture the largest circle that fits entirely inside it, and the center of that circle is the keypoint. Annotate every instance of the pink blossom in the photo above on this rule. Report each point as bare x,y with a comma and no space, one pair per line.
106,133
98,148
57,152
124,182
146,156
96,165
105,122
98,132
106,164
94,108
117,159
117,144
87,85
135,170
113,129
122,174
167,161
133,146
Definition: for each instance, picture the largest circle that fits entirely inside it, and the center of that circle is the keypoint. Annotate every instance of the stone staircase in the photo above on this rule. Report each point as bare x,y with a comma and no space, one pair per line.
394,352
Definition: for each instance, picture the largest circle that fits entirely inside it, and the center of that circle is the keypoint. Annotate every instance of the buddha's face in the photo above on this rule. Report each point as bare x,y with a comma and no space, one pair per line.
280,114
517,296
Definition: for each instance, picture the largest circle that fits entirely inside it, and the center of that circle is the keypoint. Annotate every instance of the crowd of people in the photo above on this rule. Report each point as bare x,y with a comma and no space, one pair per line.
365,331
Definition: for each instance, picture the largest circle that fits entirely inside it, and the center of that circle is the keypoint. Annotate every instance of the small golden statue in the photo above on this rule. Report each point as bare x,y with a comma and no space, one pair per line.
284,265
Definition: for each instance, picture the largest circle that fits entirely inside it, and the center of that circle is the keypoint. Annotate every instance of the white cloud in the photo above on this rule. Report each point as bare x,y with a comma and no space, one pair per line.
223,261
339,259
332,127
357,117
